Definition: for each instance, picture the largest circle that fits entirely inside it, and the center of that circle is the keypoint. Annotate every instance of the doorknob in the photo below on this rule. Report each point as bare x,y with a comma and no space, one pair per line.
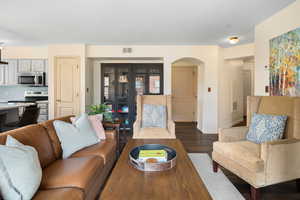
58,100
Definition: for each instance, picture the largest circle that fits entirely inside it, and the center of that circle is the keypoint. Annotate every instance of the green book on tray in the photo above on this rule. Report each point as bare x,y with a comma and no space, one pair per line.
159,155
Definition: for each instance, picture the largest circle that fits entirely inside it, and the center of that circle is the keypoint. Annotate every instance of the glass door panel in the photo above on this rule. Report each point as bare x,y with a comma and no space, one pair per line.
140,84
154,84
109,85
123,84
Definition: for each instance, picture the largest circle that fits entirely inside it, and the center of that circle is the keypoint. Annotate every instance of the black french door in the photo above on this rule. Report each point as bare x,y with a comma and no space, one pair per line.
121,82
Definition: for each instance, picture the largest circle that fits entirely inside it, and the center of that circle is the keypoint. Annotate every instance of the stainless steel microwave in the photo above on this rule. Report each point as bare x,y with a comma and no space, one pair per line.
32,78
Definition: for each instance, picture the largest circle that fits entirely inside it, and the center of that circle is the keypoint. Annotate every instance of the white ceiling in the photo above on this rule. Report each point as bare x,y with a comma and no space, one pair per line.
132,22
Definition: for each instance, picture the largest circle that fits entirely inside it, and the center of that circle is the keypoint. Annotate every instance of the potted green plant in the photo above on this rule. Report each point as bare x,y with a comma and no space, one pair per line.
99,110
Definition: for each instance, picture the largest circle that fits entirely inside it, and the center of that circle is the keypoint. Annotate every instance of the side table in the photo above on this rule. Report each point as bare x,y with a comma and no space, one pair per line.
121,134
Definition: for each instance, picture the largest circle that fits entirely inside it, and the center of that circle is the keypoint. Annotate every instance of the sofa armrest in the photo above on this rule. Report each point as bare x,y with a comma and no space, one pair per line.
281,159
233,134
111,134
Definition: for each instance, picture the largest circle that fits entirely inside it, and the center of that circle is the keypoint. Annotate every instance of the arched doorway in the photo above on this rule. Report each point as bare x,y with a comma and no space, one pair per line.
187,90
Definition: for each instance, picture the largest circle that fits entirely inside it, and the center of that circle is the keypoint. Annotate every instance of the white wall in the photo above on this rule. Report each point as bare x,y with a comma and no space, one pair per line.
231,90
91,56
240,51
209,55
27,52
284,21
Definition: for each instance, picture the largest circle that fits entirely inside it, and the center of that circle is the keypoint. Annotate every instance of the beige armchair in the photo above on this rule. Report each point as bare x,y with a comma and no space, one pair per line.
153,133
268,163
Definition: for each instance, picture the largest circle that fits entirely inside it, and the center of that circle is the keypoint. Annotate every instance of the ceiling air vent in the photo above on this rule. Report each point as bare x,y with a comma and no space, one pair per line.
127,50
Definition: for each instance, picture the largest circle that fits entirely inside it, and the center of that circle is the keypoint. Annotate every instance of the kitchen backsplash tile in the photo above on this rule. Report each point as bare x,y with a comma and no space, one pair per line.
13,92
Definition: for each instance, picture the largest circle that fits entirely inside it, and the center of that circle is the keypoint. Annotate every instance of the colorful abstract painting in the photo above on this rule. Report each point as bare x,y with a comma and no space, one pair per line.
285,64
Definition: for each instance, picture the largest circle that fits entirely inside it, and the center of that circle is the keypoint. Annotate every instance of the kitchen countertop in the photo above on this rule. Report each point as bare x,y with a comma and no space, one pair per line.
28,100
8,106
42,101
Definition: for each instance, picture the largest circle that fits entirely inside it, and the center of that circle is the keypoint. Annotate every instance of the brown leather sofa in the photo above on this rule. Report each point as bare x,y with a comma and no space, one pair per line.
78,177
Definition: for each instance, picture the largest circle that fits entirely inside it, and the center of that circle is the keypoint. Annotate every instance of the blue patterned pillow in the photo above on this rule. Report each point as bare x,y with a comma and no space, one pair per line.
154,116
265,128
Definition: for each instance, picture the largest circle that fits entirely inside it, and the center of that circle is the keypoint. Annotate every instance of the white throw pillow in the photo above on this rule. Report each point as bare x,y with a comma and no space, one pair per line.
96,122
20,170
74,137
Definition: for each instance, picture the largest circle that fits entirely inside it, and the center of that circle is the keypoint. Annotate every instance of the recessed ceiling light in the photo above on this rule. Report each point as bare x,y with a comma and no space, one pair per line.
233,40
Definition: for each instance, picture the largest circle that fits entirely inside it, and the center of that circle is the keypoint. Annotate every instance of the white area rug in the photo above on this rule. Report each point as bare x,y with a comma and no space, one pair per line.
218,185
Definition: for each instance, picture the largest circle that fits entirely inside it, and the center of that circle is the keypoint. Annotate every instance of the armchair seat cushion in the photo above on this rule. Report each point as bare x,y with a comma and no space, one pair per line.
154,133
245,153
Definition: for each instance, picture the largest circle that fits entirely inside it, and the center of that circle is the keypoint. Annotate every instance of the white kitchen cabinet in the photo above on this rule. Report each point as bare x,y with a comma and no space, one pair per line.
11,72
24,65
38,65
2,74
47,71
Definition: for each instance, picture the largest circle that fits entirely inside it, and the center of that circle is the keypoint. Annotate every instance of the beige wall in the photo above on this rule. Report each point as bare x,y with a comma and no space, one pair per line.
209,55
14,52
212,58
284,21
240,51
231,90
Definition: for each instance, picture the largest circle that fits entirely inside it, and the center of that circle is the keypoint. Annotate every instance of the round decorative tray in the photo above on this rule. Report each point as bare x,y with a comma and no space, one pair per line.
159,166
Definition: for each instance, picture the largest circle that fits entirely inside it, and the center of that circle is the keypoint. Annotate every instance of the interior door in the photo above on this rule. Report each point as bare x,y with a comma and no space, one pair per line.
184,93
67,86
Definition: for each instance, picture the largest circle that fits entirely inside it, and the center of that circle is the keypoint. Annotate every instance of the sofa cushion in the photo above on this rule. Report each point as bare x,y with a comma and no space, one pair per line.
74,137
153,133
245,153
105,149
48,125
37,137
59,194
21,172
72,172
96,122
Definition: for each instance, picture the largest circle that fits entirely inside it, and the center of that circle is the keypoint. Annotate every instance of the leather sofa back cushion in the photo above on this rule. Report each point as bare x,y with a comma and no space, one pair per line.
53,136
35,136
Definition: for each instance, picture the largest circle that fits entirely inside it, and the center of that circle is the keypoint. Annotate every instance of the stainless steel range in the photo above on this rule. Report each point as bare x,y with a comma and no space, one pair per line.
41,99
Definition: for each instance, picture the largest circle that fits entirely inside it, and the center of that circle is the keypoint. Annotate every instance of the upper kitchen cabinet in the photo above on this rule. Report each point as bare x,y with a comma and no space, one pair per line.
2,74
24,65
8,73
11,71
47,71
38,65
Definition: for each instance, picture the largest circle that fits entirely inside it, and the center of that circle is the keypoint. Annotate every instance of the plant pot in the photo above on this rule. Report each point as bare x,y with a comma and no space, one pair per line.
100,116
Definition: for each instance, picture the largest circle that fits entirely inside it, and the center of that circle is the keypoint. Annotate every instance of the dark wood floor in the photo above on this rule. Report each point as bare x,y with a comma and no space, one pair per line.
196,142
